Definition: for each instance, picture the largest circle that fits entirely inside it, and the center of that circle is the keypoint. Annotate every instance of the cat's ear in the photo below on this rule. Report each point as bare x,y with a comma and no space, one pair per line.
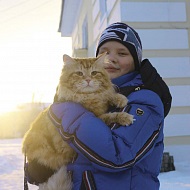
102,58
67,59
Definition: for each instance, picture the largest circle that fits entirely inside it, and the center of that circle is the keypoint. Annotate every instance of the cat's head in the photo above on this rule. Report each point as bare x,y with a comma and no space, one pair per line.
85,75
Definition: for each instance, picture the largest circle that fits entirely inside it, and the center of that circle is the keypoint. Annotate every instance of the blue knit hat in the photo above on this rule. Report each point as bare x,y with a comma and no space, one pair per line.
127,36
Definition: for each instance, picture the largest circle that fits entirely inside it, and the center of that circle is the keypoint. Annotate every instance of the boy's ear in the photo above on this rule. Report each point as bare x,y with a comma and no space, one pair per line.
67,59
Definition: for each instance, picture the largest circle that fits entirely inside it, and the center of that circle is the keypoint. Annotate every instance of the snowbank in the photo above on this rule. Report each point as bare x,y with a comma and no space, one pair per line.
12,160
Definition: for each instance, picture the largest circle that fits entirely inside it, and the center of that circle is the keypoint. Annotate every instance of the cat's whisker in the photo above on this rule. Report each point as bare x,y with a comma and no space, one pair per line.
75,92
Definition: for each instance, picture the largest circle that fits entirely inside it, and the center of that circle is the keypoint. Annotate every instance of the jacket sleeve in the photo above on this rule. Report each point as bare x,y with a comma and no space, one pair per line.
118,149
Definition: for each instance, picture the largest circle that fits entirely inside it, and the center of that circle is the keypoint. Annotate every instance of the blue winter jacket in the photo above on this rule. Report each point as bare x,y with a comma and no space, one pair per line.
126,158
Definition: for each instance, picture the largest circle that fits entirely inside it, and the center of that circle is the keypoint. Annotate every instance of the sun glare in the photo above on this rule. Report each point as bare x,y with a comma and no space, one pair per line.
31,52
30,74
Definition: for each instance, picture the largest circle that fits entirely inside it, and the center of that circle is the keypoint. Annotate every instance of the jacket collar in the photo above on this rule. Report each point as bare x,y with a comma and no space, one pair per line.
129,79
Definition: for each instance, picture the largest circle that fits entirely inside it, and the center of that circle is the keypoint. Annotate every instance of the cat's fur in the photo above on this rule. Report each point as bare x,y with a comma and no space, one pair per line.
83,80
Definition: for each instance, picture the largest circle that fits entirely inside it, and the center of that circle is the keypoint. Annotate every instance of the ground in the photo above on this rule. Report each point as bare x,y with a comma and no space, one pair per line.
12,161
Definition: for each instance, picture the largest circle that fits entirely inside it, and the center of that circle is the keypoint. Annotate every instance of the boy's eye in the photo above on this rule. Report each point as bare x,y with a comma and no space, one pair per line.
79,73
122,53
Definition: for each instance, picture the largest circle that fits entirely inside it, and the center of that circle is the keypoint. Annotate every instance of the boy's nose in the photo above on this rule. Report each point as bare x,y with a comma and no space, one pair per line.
111,57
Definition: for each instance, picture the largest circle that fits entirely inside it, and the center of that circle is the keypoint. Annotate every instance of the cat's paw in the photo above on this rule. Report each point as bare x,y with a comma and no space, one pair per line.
121,101
125,118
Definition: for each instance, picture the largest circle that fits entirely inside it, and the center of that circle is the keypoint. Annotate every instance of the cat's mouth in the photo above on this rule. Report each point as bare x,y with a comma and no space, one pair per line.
88,89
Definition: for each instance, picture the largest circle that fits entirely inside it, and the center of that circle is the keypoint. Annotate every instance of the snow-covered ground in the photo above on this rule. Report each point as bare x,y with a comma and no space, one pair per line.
11,167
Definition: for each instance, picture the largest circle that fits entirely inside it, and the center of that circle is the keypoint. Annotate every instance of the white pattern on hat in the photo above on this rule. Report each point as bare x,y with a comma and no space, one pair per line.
124,34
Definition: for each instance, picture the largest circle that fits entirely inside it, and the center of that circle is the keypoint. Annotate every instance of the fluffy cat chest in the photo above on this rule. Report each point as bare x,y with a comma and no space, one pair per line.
95,104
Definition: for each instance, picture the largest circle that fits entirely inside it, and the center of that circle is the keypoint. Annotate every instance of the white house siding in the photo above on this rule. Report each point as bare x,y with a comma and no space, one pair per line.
172,67
156,11
71,9
168,39
95,10
114,15
83,13
176,125
176,68
110,5
164,28
181,96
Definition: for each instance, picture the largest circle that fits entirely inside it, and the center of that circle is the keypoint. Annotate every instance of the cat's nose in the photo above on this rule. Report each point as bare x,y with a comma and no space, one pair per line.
87,80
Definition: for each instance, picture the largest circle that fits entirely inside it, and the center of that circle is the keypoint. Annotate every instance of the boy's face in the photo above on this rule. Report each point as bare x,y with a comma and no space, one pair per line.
121,60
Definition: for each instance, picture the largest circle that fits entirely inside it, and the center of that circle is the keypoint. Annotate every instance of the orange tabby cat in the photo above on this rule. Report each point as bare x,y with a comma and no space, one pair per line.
83,80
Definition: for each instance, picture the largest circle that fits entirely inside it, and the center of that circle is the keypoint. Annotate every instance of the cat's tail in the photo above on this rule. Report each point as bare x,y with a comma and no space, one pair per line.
61,180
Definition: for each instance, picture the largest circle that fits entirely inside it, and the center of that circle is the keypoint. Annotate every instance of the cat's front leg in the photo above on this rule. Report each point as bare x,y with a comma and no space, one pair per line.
119,100
121,118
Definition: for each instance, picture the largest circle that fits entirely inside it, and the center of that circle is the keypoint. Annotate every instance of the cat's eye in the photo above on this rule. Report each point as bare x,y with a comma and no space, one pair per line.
79,73
93,73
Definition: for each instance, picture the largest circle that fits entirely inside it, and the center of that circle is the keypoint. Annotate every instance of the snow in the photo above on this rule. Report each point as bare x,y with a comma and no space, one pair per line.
12,160
11,165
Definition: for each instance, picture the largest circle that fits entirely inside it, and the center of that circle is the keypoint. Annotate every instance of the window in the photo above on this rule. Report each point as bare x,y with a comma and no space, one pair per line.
85,34
103,8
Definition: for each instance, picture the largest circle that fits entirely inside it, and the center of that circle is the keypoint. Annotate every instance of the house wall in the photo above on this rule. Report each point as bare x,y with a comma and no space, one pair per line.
89,16
164,28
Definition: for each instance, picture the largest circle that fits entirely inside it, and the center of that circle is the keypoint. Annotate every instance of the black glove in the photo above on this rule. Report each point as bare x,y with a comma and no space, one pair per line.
154,82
